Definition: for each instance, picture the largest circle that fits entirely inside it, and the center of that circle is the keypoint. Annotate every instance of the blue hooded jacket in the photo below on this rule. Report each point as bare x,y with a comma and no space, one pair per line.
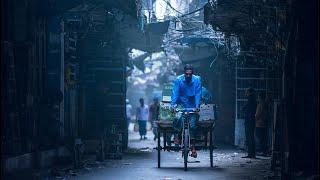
188,94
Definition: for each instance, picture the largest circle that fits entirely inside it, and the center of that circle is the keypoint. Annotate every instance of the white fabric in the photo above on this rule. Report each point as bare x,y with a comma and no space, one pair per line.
143,113
128,110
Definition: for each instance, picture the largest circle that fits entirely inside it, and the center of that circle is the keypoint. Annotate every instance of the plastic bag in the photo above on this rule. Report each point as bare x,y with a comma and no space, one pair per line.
136,127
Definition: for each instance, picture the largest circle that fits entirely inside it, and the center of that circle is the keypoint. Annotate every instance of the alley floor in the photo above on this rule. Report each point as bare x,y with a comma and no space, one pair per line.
140,163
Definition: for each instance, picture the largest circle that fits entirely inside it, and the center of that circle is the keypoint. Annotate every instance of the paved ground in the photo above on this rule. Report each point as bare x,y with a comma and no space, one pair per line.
140,163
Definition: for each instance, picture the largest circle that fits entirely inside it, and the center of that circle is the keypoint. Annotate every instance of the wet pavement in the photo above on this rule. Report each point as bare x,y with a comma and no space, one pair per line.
140,163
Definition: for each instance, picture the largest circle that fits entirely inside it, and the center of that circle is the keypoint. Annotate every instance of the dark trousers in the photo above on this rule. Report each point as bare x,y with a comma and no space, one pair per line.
154,129
261,134
193,119
142,127
249,130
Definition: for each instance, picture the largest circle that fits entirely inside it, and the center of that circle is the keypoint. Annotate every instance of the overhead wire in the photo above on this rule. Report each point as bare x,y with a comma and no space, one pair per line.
212,33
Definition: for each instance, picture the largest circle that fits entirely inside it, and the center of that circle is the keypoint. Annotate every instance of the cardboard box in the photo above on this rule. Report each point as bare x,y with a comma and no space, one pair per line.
206,112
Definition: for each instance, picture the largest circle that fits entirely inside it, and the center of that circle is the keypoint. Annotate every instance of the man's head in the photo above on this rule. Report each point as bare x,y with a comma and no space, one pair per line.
188,71
141,100
262,96
155,100
249,91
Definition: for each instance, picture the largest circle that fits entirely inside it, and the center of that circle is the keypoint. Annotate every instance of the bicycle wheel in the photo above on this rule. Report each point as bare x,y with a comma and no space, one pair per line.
186,148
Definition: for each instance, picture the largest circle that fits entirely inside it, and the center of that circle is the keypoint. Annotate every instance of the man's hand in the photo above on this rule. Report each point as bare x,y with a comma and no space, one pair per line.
173,108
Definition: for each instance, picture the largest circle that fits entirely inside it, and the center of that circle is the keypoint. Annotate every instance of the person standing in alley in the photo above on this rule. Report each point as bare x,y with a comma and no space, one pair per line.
153,116
206,97
142,116
250,111
261,124
269,121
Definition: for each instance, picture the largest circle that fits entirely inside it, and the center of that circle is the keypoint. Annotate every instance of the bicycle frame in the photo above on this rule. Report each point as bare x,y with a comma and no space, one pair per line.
186,134
185,126
185,144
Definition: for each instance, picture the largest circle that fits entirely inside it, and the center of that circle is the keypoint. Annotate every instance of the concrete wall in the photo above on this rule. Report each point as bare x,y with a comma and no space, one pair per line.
219,79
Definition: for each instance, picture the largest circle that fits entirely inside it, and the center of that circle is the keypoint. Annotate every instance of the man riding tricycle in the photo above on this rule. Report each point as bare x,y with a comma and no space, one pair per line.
185,104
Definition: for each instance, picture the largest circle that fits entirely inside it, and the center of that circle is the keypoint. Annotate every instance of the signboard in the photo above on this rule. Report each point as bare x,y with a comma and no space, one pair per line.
166,98
206,112
166,93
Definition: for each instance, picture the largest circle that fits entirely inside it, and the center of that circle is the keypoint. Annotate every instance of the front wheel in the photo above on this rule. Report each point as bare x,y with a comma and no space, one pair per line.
186,148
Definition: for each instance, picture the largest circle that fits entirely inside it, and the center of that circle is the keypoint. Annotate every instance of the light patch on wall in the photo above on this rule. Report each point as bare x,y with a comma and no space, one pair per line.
162,9
135,53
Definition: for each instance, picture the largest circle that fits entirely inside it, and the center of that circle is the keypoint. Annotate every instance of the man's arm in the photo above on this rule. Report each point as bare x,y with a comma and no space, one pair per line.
175,93
198,93
137,113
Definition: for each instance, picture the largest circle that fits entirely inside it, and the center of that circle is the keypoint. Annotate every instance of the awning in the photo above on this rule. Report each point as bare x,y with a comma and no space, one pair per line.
191,54
149,41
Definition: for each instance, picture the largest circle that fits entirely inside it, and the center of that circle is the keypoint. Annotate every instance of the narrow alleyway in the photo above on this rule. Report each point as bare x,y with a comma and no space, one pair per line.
140,163
75,72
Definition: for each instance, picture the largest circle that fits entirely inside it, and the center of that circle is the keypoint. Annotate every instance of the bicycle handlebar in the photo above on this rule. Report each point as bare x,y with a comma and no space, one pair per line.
191,110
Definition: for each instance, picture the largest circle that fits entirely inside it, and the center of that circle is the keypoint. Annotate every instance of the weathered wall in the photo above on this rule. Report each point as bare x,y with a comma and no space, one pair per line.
220,82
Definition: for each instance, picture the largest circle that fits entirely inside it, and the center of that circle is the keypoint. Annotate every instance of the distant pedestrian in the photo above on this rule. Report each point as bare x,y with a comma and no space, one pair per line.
261,124
154,115
142,116
250,111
